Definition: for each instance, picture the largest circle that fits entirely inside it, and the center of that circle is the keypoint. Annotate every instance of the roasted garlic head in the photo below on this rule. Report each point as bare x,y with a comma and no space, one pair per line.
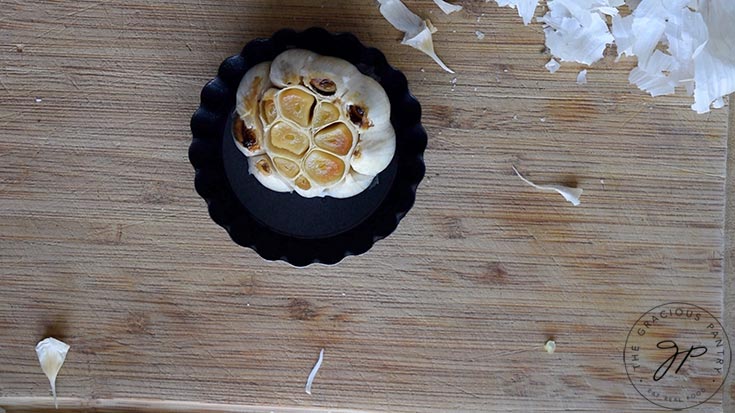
313,124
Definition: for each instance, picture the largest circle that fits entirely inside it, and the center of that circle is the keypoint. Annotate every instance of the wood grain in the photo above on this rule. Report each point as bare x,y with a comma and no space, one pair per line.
105,244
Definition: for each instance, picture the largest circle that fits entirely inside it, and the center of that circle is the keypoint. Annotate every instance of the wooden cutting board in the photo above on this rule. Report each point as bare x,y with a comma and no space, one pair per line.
105,244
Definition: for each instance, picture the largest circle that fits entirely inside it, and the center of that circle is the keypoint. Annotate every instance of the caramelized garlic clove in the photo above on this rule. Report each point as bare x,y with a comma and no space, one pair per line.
324,114
248,139
297,105
247,129
288,140
323,168
262,168
336,138
268,108
286,167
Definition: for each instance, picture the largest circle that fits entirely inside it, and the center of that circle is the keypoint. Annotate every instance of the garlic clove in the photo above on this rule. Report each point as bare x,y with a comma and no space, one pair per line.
324,114
367,104
248,135
550,346
297,105
288,140
335,138
328,76
252,87
247,129
268,108
374,150
262,168
287,68
353,184
51,354
308,189
324,168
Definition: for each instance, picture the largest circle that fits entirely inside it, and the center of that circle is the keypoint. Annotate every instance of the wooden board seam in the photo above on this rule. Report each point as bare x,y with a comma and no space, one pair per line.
728,278
11,404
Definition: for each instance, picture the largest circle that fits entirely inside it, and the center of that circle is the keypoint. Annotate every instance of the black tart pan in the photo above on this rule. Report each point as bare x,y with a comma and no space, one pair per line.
286,226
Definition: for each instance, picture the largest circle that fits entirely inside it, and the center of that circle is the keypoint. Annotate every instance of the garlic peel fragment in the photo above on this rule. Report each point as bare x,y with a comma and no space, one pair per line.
424,42
552,66
447,8
314,370
714,67
582,77
578,31
570,194
526,8
51,354
417,32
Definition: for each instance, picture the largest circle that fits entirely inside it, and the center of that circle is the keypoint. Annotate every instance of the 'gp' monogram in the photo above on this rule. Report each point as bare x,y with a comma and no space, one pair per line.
668,344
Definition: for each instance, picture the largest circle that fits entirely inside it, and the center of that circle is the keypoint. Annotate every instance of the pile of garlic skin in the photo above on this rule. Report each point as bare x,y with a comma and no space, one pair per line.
678,43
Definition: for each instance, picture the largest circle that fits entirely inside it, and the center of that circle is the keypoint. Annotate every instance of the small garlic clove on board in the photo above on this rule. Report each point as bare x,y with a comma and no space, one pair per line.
51,354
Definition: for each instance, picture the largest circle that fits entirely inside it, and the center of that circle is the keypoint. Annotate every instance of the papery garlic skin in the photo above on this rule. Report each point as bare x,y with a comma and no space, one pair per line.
552,66
577,31
679,44
51,354
447,8
417,32
312,374
570,194
582,77
526,8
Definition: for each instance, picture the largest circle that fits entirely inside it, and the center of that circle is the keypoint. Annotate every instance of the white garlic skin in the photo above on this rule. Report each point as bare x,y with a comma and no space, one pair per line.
51,354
